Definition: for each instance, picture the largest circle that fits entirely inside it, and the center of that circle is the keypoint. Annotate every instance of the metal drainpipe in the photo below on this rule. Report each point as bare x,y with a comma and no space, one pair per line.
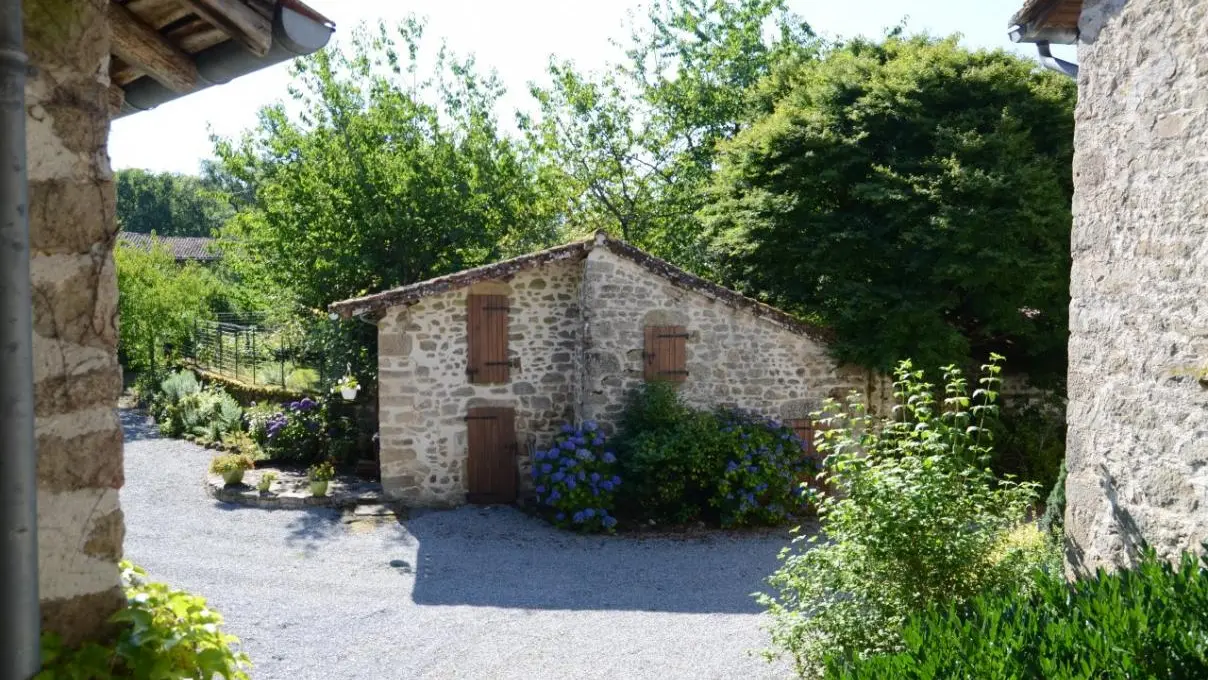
1053,63
20,619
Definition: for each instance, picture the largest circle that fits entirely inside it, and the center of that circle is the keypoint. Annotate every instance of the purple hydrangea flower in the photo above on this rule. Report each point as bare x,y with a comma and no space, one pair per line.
598,441
589,513
585,455
610,522
609,457
560,516
570,483
546,468
568,445
590,425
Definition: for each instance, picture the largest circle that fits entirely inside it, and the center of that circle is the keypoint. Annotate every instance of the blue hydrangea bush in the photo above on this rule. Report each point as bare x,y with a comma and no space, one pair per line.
762,482
296,432
576,479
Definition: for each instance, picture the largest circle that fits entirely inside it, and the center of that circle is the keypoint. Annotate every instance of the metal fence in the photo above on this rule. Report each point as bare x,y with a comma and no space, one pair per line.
248,349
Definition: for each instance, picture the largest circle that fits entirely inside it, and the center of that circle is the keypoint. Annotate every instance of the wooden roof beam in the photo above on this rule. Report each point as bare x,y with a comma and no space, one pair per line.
145,49
237,20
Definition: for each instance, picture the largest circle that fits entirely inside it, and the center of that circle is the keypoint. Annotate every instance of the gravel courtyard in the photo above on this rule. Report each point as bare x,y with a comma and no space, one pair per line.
473,593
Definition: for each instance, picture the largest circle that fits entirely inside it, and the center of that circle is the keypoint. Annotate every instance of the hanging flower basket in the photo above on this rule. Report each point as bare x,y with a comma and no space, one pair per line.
347,387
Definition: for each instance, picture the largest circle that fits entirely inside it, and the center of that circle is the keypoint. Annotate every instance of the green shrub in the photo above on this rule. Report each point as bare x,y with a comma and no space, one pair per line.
915,519
670,457
575,480
1053,519
229,462
762,479
1147,622
1029,441
164,634
257,417
728,467
298,432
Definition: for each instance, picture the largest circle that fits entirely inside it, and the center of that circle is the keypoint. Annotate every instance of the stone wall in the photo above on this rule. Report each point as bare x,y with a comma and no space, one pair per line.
424,393
733,357
72,230
1138,407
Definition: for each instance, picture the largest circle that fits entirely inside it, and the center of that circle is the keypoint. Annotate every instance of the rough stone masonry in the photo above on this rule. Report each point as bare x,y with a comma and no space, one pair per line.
577,315
76,373
1138,371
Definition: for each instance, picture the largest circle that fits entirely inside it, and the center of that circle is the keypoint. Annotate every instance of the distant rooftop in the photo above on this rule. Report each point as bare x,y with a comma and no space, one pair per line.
183,248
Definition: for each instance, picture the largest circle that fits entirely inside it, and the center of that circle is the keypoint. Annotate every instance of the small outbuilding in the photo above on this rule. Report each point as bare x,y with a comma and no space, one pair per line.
477,368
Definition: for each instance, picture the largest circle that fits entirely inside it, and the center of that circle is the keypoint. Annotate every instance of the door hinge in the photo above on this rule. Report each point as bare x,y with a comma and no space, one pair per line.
674,335
673,373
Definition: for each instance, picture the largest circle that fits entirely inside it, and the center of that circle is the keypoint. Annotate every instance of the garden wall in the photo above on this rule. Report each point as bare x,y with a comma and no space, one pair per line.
424,392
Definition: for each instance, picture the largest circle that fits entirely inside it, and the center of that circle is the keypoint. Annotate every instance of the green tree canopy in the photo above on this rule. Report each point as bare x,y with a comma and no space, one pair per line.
383,177
168,204
637,145
912,195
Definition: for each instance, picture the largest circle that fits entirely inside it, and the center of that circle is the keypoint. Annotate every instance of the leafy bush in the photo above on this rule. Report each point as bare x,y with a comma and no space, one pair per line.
762,481
1029,441
243,444
670,456
1147,622
230,462
1053,519
163,634
321,472
266,481
576,478
184,407
730,467
257,417
916,519
297,432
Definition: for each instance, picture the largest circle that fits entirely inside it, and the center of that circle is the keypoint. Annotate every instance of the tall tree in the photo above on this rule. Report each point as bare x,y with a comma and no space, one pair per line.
638,144
168,204
383,177
911,194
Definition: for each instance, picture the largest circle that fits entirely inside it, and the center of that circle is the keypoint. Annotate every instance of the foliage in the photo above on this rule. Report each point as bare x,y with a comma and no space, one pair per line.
348,382
159,300
915,519
730,467
1053,519
383,177
913,187
243,444
321,472
1150,621
230,462
164,634
168,204
1029,440
185,408
298,431
764,480
670,456
635,146
576,478
257,417
266,481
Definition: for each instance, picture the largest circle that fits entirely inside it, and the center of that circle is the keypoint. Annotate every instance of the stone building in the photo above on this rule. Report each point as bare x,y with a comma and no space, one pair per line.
66,68
1137,446
476,367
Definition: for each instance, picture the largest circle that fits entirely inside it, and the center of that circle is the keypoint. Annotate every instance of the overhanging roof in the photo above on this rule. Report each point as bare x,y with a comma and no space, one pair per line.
575,250
165,49
1054,21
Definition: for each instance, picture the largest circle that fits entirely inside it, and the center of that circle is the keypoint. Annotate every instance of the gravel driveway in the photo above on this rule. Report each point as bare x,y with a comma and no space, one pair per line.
473,593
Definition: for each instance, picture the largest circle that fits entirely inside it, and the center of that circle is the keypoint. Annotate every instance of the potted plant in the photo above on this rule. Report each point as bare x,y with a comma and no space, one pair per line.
347,387
319,475
266,482
232,466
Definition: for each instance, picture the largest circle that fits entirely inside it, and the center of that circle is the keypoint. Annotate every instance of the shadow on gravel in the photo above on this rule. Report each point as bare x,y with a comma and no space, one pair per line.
499,557
307,529
137,425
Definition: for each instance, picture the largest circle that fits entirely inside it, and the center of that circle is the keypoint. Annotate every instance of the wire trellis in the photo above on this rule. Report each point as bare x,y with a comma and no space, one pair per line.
246,349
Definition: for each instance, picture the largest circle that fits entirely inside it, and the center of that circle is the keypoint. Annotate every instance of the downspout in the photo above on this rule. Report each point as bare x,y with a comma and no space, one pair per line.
20,618
1053,63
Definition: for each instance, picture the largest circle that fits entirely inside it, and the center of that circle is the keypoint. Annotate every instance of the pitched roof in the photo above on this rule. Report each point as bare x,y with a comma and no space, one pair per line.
575,250
182,247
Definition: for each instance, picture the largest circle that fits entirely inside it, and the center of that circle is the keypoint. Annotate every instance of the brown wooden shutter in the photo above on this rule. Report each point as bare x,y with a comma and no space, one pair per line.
666,355
491,464
487,329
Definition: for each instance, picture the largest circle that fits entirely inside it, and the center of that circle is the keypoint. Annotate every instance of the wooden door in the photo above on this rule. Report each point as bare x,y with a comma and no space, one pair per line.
491,468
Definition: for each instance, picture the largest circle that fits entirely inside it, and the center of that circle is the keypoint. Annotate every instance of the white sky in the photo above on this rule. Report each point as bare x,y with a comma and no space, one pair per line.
516,38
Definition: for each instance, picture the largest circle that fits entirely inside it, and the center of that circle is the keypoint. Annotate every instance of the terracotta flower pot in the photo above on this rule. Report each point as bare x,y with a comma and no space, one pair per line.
233,476
318,489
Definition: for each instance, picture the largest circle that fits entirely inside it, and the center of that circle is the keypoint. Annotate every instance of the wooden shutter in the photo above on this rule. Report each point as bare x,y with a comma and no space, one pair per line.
666,356
491,464
487,329
804,428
